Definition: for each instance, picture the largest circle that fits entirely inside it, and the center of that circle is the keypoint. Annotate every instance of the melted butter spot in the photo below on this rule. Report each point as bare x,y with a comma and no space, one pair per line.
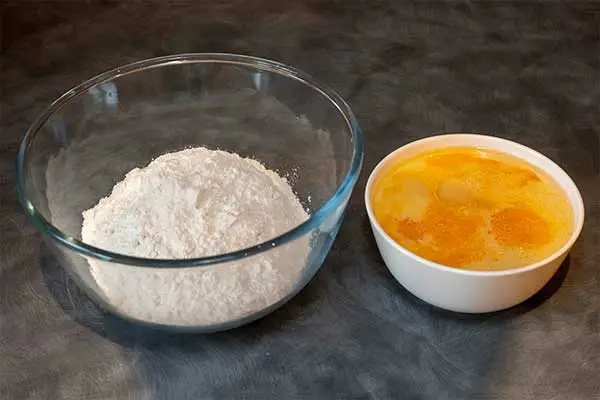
454,191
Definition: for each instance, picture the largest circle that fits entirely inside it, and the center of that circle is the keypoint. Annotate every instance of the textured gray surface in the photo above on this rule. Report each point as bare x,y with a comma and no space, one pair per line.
518,70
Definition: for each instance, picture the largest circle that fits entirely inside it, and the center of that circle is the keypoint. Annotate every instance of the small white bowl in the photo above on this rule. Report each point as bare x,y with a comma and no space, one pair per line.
462,290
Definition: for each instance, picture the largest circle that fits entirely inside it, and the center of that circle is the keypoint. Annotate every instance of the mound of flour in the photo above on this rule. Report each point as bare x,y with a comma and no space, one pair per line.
194,203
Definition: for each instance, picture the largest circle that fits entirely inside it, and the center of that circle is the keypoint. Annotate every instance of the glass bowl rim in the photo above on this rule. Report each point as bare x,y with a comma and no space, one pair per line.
314,221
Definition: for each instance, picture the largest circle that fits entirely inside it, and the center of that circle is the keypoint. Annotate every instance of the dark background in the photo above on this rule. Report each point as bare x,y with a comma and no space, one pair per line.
528,71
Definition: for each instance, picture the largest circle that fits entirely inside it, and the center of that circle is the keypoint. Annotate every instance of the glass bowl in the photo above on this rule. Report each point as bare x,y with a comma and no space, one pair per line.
88,139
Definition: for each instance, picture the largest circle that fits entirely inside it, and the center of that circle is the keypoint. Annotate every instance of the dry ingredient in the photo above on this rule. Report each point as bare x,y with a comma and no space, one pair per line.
195,203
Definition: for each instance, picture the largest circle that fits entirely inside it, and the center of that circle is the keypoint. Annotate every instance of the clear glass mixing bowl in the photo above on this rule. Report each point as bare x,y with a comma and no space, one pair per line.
88,139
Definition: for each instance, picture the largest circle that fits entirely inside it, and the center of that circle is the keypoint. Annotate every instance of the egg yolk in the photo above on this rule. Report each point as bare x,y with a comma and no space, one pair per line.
472,208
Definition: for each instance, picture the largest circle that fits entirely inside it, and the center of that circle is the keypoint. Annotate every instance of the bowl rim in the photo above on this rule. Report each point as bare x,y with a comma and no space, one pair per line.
262,64
577,205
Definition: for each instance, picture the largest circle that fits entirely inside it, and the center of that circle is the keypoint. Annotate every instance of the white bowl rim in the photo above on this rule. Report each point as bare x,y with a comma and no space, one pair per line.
578,205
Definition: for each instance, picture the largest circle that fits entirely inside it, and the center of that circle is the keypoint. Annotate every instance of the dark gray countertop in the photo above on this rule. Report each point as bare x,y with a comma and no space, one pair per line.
514,69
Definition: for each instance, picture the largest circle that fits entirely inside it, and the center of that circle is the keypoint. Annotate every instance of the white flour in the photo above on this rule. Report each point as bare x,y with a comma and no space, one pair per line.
196,203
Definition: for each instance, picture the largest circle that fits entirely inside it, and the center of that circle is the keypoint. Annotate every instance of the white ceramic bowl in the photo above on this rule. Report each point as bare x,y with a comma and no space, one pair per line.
465,290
